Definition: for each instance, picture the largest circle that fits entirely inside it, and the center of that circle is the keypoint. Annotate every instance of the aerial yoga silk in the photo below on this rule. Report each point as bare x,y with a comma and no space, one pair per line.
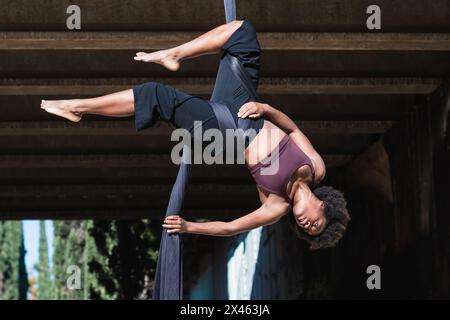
169,271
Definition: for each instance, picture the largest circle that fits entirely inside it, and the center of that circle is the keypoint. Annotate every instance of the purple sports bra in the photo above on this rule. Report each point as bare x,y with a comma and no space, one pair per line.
273,175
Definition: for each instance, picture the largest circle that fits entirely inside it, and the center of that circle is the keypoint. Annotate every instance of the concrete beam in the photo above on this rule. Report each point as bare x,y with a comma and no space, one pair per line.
25,108
336,137
288,15
275,63
111,127
279,41
339,106
121,169
204,86
142,196
344,127
221,214
142,144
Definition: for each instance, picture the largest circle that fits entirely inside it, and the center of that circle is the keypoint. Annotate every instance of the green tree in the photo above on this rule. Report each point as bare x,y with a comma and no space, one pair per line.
59,229
69,242
44,291
117,259
100,260
13,274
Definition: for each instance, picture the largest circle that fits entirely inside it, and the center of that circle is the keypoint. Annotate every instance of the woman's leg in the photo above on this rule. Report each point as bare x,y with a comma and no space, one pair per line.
121,104
118,104
207,43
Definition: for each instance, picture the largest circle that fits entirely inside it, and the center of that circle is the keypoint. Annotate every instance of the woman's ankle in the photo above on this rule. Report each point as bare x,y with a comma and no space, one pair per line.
175,54
78,106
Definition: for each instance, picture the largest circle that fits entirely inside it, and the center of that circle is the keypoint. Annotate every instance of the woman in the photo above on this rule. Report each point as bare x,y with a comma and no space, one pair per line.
321,215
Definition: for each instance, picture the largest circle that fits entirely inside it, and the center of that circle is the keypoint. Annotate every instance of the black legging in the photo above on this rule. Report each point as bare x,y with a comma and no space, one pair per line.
183,109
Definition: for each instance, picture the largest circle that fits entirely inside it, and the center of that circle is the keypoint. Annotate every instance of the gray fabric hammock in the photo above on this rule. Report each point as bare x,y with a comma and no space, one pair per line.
169,270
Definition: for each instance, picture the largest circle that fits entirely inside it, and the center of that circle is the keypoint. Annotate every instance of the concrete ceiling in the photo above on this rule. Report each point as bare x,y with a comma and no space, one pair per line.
343,84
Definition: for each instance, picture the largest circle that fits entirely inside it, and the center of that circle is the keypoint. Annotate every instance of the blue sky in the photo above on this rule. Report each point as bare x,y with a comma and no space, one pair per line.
31,237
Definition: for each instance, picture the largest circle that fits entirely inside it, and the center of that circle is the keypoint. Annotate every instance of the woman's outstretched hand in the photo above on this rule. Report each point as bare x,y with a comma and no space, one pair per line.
252,110
175,224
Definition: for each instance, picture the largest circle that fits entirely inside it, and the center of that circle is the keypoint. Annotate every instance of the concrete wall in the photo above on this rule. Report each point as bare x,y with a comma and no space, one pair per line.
265,263
397,193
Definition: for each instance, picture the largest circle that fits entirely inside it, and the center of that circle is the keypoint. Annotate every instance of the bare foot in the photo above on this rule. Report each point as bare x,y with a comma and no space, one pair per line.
62,108
162,57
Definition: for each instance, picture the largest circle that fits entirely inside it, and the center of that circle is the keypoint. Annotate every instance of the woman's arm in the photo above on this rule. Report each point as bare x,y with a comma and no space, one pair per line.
268,213
256,110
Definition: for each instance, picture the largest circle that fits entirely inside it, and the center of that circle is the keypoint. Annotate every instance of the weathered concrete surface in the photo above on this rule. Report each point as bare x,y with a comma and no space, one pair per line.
27,142
120,169
24,107
319,64
274,63
354,41
204,86
169,15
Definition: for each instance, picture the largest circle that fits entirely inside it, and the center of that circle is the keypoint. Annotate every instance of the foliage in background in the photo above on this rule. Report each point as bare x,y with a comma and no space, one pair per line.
44,289
69,242
13,274
117,258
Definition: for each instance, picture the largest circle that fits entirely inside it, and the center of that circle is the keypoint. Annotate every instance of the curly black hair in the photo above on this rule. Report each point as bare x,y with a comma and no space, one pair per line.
336,215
